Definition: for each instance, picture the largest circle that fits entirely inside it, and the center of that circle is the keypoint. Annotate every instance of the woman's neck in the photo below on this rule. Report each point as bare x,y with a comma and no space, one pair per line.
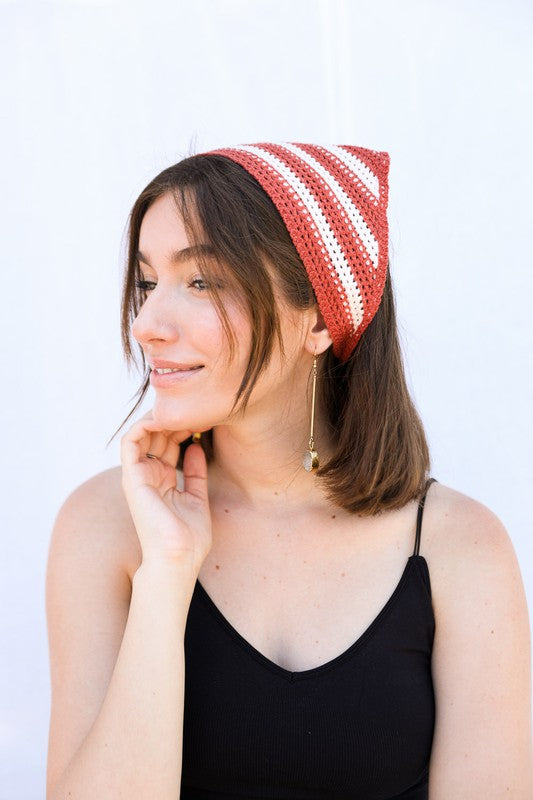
258,464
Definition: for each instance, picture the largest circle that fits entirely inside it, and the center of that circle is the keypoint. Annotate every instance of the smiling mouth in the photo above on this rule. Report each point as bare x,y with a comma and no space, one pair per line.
167,377
167,371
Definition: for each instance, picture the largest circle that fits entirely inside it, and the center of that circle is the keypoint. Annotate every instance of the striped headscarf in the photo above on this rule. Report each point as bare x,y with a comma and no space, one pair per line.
333,201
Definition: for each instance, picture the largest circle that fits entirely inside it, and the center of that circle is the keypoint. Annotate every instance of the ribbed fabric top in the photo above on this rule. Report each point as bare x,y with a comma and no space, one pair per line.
359,727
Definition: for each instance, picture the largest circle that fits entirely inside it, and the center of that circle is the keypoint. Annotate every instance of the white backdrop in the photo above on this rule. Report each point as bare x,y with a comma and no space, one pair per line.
99,96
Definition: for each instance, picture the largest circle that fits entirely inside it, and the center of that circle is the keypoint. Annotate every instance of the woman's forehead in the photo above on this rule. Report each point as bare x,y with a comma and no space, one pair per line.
162,224
163,236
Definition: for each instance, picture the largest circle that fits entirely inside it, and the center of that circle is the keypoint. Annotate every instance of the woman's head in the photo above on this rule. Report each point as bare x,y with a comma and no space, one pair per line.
259,291
212,346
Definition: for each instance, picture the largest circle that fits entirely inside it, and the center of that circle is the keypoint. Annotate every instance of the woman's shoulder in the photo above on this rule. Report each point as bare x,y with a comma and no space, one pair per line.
480,659
469,551
95,517
457,527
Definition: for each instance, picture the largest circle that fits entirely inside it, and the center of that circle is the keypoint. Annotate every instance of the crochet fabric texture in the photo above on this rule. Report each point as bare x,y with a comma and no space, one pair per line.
333,201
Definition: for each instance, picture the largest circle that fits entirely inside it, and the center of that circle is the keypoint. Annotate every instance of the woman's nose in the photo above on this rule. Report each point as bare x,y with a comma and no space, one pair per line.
154,321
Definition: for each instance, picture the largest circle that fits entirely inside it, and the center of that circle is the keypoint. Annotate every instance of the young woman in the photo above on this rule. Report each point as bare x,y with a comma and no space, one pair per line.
269,598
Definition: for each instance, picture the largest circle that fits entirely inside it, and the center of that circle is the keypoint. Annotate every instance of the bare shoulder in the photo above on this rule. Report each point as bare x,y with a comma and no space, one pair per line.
460,533
481,655
471,558
97,516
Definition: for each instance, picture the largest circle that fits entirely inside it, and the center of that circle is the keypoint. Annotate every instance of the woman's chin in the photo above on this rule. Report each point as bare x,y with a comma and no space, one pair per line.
175,419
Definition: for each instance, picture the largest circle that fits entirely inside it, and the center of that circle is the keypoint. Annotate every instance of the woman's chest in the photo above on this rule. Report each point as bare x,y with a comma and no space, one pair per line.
359,724
301,599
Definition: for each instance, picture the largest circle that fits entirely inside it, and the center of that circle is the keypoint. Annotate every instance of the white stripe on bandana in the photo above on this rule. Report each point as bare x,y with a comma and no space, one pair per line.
335,252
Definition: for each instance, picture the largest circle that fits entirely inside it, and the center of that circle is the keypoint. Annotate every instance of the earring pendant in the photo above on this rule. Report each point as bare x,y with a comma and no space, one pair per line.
310,459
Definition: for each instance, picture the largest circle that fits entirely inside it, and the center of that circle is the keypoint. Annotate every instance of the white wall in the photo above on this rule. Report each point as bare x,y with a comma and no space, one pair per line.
97,97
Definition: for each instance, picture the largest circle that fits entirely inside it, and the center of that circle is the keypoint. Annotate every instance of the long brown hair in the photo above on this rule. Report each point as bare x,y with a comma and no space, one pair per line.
380,457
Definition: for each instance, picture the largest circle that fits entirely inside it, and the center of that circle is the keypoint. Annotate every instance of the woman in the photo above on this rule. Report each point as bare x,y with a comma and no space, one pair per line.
273,619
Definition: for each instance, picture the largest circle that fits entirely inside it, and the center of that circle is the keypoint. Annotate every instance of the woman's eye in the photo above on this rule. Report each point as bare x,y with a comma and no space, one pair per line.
197,283
203,285
146,286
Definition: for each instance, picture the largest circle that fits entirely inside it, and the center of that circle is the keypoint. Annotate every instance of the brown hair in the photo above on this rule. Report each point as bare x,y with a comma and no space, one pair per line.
380,454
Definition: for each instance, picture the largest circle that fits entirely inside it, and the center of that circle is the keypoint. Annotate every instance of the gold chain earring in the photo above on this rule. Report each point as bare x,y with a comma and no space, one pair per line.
310,459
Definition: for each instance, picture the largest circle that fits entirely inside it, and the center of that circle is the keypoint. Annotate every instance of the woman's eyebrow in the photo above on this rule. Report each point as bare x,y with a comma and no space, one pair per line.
181,256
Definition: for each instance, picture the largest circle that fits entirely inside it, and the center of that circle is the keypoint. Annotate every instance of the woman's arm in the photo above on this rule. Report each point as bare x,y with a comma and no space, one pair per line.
117,662
482,746
131,740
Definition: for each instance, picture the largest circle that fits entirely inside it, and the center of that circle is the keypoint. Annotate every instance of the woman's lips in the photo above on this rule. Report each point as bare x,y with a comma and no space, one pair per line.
170,378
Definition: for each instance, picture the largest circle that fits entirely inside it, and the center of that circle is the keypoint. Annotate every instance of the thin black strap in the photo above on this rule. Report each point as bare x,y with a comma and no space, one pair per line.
419,515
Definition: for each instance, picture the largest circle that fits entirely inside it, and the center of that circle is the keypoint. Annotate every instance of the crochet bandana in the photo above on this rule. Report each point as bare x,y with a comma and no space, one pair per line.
333,201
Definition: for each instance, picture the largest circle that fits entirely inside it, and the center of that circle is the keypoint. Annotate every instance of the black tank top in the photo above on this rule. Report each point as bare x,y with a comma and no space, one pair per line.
359,727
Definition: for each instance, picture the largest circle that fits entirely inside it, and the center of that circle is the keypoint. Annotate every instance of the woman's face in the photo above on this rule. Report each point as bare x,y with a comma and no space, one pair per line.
179,323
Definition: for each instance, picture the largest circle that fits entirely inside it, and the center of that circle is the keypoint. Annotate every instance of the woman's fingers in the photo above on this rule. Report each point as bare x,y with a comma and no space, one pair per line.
168,520
171,452
141,432
195,472
158,443
147,436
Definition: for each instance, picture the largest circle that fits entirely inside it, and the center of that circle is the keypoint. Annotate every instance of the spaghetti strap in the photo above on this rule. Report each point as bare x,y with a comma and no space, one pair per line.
419,515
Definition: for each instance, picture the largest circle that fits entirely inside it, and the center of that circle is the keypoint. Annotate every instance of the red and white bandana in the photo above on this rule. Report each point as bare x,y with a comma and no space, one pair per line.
333,200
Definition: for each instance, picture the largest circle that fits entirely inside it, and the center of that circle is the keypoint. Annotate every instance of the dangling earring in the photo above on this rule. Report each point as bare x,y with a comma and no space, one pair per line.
310,459
196,437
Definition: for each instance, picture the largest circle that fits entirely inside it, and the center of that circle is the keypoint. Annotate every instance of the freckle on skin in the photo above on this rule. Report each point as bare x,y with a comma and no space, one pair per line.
226,510
343,574
217,566
333,516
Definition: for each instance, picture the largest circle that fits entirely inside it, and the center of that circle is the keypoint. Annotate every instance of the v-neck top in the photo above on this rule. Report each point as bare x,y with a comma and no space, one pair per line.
359,727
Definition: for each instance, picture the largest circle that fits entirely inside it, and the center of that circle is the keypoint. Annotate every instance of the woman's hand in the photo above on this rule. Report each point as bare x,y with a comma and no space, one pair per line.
173,526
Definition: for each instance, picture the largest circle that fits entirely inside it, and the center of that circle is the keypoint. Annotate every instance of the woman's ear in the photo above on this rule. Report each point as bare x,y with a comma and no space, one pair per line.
318,339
